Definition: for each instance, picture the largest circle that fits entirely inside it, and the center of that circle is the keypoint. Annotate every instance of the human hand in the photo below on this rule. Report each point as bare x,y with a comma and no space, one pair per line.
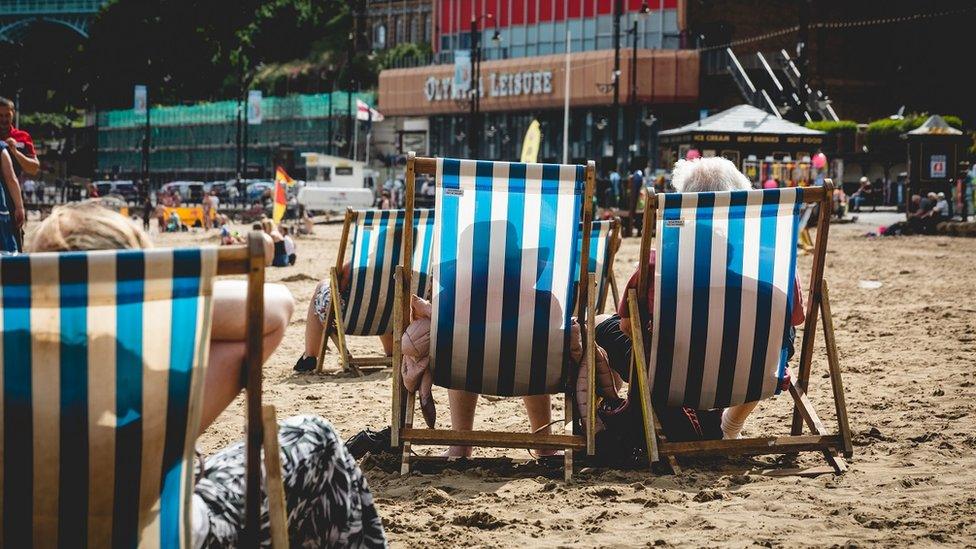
11,142
19,216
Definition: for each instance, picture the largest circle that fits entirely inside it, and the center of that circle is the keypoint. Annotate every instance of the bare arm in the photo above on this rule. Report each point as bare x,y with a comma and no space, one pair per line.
30,164
230,309
13,186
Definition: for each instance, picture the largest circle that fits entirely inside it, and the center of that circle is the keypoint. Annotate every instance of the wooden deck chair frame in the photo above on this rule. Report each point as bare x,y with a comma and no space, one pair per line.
334,328
835,447
404,404
249,260
262,426
610,287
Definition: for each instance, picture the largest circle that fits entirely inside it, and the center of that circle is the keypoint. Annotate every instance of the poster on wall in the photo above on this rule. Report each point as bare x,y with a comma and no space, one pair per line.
254,114
937,166
462,70
139,100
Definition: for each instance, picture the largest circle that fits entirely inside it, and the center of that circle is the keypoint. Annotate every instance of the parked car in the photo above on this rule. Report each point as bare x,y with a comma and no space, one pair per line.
189,191
256,189
127,190
219,187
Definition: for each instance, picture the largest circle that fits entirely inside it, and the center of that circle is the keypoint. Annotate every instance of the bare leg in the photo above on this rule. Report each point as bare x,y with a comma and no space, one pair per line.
313,326
539,410
387,341
462,405
734,418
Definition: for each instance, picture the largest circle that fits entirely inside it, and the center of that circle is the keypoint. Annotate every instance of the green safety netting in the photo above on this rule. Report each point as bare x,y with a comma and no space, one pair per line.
225,112
203,137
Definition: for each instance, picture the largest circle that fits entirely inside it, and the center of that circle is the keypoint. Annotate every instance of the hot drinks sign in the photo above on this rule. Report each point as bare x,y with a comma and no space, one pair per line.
500,84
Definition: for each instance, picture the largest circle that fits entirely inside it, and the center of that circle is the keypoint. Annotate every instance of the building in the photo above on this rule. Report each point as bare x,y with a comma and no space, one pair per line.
200,142
680,61
521,45
394,22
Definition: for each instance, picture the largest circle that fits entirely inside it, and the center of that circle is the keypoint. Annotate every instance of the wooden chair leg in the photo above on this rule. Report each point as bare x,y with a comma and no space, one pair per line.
408,424
613,289
568,452
833,363
809,415
639,374
590,362
659,434
274,484
398,327
324,343
340,327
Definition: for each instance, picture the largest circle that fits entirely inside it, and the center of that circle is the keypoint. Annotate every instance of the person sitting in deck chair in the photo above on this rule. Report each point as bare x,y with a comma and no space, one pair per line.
329,502
613,331
318,310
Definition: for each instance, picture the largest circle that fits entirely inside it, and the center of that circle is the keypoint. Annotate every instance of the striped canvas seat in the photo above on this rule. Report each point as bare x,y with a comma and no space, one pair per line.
724,285
601,258
505,252
376,247
102,360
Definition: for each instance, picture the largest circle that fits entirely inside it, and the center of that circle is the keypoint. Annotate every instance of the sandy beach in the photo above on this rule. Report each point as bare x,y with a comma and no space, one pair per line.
907,351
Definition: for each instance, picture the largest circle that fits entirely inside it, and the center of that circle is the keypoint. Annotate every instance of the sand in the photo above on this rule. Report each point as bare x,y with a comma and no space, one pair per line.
907,351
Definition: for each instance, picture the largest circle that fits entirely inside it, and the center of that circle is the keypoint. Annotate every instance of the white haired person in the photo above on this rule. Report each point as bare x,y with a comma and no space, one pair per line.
613,331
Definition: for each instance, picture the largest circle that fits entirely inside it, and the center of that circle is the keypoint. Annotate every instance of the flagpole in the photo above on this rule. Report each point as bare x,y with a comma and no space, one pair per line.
369,131
566,103
355,134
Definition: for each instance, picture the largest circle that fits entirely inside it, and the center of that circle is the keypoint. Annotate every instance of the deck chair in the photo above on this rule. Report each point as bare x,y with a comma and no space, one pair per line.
377,243
723,283
604,243
102,363
502,278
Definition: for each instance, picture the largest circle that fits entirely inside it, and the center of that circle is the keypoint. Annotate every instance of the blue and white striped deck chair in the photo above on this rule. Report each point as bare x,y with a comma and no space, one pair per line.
725,264
504,266
604,241
102,362
377,242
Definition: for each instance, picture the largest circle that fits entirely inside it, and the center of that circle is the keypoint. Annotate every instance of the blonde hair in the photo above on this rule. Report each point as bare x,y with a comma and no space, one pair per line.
86,225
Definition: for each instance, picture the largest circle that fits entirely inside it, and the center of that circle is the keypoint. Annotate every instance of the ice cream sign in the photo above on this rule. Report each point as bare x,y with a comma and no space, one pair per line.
500,84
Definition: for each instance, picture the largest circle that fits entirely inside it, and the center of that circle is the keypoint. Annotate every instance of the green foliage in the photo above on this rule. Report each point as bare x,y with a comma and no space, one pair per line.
831,126
888,126
47,119
188,50
402,54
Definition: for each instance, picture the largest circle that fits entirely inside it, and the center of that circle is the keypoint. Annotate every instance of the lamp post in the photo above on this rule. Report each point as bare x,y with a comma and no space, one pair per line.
632,96
618,8
475,89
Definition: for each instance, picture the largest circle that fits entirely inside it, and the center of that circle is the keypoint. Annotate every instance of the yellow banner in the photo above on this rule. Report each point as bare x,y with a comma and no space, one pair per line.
530,146
191,216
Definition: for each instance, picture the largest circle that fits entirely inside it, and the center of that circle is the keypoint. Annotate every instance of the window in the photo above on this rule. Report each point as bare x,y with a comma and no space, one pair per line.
379,36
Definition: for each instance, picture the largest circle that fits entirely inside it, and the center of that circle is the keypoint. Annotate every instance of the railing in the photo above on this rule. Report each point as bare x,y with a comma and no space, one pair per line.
33,7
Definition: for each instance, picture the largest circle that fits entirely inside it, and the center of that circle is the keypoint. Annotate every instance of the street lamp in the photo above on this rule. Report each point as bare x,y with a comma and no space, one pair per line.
474,90
632,100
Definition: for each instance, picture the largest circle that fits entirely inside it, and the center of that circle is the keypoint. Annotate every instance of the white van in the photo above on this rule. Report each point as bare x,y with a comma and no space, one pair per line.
334,184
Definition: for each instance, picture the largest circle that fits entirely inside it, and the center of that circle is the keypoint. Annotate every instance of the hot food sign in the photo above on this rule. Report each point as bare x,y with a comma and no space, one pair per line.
500,84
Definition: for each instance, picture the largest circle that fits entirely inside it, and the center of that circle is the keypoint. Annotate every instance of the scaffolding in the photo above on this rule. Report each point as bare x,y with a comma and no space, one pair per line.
201,141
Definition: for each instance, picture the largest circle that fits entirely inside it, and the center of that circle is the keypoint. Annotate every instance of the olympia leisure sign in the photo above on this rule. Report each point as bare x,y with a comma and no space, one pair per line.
500,84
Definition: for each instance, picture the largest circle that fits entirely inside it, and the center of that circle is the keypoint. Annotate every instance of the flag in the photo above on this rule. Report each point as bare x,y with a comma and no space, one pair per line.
280,197
530,145
365,113
282,175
